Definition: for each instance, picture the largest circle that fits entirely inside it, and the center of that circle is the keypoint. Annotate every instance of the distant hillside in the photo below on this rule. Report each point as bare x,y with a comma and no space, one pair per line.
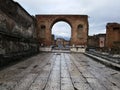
58,36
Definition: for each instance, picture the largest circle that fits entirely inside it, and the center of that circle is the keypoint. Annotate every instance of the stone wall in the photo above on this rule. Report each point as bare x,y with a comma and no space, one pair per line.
97,42
17,32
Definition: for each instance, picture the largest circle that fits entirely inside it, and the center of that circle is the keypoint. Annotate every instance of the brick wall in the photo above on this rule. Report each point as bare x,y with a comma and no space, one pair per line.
113,36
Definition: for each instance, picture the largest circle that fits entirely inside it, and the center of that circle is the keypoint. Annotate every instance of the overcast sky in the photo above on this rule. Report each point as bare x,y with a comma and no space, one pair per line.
100,12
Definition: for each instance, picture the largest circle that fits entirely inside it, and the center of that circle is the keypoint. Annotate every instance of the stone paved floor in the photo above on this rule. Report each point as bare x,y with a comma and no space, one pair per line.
59,71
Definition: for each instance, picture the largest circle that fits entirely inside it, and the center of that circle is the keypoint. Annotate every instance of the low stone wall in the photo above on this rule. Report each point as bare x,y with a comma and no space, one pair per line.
77,49
45,49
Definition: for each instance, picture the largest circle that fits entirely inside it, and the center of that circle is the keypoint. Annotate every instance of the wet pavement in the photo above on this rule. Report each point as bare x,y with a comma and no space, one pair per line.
59,71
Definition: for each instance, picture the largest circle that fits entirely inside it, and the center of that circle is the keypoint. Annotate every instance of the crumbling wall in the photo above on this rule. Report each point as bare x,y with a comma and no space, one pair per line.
17,32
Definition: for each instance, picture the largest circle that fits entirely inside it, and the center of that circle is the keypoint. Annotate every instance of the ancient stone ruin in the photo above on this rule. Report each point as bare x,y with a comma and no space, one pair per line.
17,32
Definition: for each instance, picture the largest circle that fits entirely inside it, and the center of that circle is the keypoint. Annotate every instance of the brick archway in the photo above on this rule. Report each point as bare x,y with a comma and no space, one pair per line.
78,23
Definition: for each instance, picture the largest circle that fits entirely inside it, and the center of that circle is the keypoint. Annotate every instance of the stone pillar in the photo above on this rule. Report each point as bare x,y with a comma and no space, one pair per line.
48,40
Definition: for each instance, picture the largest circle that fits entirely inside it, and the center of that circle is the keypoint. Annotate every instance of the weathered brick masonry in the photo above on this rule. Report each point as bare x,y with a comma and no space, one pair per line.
113,37
78,23
17,32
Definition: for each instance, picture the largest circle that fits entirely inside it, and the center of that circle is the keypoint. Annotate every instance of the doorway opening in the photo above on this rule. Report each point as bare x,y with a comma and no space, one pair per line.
61,35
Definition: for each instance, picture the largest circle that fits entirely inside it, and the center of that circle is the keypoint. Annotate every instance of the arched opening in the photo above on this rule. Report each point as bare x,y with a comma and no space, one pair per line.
61,34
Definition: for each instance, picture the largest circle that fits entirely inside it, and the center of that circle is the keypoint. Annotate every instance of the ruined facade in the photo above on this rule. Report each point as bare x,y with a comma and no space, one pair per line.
97,41
62,42
113,36
78,23
17,32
